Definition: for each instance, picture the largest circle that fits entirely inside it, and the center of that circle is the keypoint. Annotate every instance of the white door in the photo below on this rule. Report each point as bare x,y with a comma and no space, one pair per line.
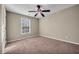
3,28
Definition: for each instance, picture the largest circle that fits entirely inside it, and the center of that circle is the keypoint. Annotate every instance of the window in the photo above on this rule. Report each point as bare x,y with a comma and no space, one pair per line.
25,25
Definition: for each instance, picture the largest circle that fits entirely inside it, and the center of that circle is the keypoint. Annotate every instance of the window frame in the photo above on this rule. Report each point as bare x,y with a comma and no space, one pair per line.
29,25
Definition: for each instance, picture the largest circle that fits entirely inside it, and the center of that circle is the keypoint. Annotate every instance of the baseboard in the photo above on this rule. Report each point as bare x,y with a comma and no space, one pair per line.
46,37
21,38
61,40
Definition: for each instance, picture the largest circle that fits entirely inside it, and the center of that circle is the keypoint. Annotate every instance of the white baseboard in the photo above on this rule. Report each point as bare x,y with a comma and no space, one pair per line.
22,38
61,40
46,37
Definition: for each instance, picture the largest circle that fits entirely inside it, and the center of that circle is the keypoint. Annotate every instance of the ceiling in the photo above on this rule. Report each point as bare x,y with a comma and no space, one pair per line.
24,8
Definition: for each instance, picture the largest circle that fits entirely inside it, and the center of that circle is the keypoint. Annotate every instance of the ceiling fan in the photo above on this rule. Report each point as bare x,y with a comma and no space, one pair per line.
39,10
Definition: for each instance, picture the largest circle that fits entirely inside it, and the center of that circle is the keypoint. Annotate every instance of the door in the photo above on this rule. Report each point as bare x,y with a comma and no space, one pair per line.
3,32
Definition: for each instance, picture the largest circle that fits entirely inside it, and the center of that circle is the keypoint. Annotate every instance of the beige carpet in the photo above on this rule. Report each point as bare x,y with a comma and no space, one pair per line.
40,45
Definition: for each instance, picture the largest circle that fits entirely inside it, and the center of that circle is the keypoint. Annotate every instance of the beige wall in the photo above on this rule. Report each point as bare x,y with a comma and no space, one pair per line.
14,27
63,25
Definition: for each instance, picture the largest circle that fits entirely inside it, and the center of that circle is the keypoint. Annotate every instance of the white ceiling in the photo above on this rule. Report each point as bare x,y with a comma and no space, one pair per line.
24,8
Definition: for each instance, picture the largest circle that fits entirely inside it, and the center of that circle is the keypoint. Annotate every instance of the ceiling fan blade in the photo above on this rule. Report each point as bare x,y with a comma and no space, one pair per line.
45,10
32,11
36,14
42,14
38,6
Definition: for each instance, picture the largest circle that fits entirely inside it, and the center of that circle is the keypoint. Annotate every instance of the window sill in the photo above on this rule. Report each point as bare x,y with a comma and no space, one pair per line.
25,33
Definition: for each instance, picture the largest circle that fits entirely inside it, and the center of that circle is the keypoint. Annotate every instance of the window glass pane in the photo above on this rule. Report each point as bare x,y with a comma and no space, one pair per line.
25,25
